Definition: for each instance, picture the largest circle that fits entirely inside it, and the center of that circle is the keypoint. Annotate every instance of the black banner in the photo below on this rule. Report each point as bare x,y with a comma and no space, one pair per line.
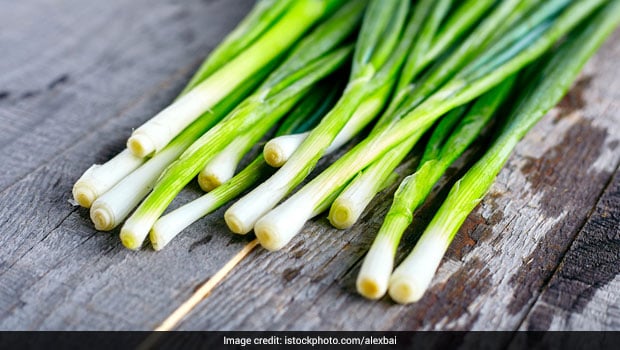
309,340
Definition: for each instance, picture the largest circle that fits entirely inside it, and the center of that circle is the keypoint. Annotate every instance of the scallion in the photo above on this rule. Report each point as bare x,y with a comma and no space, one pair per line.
156,133
278,150
444,147
317,55
98,179
281,224
412,277
375,65
303,116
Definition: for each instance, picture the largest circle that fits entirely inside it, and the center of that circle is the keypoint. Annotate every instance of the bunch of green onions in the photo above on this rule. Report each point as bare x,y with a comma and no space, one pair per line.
445,66
276,228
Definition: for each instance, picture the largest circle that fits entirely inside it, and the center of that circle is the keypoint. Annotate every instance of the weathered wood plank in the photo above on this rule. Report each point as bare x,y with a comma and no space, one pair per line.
583,293
502,257
56,271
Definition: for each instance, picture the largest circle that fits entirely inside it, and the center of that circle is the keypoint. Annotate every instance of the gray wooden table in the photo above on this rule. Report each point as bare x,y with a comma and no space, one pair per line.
542,250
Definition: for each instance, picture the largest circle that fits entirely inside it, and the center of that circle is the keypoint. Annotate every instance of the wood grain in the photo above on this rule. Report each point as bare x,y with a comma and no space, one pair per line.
76,77
583,292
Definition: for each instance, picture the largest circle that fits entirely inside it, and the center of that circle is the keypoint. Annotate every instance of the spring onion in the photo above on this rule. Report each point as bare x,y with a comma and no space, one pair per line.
555,75
316,56
351,202
98,179
282,223
349,205
464,17
278,150
255,110
156,133
170,225
443,148
222,167
262,16
111,208
304,115
376,62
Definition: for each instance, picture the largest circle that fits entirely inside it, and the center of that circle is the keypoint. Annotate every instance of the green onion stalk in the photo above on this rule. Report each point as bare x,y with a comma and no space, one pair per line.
304,116
100,178
379,53
290,26
111,208
282,223
459,59
351,202
446,144
538,18
316,56
349,205
170,225
553,78
263,16
307,112
222,167
278,150
456,26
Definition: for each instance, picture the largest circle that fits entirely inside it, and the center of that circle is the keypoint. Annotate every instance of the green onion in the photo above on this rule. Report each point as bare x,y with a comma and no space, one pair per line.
315,57
352,201
306,113
170,225
98,179
278,150
423,53
156,133
374,67
427,17
262,16
293,130
411,279
534,22
349,205
251,112
443,148
281,224
303,116
222,167
313,107
463,18
112,207
462,56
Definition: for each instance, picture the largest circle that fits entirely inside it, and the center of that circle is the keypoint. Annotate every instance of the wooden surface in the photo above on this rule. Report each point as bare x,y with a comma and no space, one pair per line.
542,250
